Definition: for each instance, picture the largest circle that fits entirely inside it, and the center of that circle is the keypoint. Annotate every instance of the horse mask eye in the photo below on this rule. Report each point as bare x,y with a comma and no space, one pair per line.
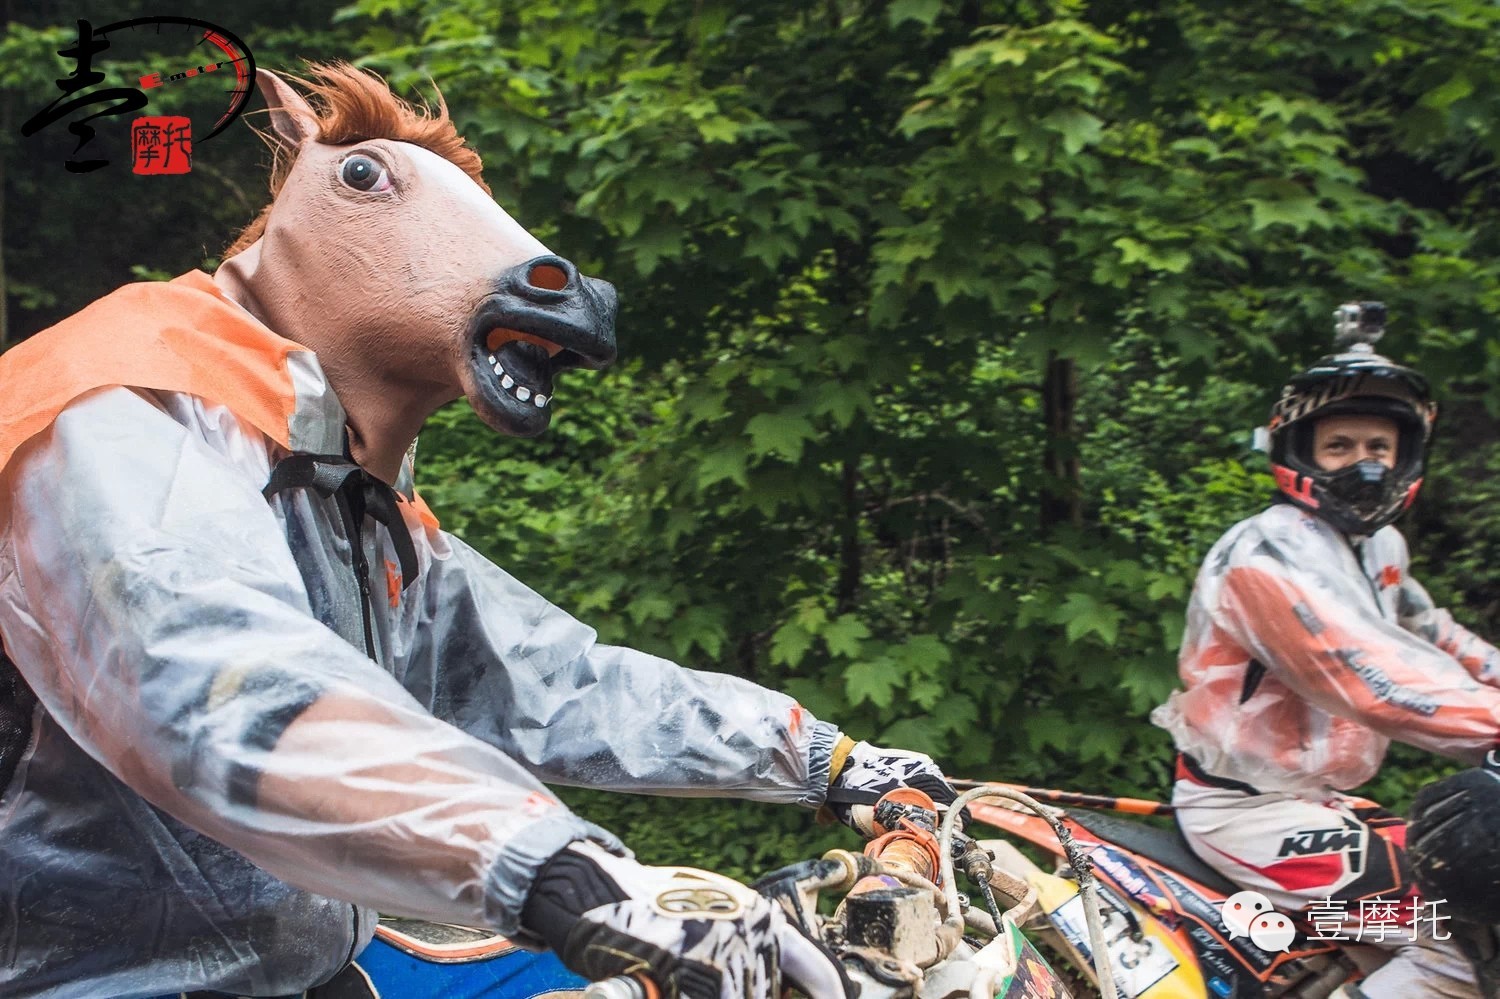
364,174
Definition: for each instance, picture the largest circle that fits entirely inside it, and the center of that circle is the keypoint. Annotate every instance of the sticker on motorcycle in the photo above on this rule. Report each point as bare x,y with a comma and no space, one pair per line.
1137,964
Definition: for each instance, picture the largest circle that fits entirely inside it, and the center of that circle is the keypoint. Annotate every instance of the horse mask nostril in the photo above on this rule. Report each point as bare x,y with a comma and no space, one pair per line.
546,301
548,276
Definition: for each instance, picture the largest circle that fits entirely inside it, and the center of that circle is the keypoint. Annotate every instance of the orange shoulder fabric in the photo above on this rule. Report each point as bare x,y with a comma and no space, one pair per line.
177,336
424,512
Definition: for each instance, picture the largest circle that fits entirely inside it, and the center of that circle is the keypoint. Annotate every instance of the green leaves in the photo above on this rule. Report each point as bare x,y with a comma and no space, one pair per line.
1083,614
1284,203
794,638
849,242
903,668
844,635
1172,261
1442,97
724,462
875,682
780,433
1077,127
922,11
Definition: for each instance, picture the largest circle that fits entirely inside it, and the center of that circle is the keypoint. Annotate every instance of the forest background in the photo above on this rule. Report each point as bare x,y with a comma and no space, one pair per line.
944,326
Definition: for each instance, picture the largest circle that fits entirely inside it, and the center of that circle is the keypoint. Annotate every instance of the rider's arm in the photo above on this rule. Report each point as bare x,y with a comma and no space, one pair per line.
1340,655
148,596
510,668
1421,617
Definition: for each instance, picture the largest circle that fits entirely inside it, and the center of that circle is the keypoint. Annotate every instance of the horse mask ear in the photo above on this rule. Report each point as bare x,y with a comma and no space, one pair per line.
292,118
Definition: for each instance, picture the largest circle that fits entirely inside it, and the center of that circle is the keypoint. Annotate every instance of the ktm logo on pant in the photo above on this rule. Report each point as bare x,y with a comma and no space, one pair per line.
1311,842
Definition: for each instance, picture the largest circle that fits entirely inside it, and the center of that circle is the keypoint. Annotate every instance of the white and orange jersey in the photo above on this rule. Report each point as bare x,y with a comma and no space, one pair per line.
1307,652
220,784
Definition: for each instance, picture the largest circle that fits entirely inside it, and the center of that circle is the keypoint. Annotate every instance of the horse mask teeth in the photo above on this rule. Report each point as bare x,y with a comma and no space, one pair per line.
528,365
527,327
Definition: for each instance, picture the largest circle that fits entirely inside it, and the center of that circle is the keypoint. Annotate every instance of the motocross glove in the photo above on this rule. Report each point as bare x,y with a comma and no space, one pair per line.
861,774
1451,843
694,934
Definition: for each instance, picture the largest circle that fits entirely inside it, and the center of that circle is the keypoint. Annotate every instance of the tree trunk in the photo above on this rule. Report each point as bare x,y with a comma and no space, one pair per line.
849,553
1062,496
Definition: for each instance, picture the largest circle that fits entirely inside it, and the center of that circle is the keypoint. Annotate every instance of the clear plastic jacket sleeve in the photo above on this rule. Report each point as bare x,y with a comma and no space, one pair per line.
1336,650
1422,618
522,675
153,605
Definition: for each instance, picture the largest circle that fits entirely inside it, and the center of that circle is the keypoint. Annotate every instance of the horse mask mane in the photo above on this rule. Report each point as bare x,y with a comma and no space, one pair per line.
353,106
383,252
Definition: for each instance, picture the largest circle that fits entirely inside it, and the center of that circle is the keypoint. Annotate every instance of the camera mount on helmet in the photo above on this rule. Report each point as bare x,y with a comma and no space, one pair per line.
1358,323
1355,381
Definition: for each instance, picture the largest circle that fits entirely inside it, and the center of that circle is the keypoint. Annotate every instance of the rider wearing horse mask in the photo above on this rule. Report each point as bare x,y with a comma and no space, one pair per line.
252,694
1309,647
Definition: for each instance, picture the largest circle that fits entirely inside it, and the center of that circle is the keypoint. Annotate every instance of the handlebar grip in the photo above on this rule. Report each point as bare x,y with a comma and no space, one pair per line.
619,987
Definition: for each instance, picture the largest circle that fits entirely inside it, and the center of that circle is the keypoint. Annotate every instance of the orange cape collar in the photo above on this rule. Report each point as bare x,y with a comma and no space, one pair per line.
179,336
183,335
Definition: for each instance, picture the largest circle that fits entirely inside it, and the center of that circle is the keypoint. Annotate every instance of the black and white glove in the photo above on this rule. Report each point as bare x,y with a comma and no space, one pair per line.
868,772
694,934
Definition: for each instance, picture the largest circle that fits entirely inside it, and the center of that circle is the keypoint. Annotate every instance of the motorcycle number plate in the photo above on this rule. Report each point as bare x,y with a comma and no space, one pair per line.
1137,965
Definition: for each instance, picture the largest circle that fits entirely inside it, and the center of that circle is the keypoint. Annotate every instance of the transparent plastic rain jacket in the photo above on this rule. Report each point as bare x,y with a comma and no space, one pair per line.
1306,653
214,760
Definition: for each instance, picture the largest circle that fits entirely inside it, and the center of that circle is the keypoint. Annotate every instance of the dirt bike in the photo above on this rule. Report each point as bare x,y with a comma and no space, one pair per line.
1164,929
902,930
1156,929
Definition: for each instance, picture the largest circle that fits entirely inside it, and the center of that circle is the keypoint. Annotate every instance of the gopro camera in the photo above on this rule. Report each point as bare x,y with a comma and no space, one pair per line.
1361,321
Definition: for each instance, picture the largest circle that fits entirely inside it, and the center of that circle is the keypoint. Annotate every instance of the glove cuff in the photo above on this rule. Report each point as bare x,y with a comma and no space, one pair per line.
568,885
839,757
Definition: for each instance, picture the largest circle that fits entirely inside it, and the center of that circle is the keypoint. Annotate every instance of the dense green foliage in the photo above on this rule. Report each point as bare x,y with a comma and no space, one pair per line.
944,326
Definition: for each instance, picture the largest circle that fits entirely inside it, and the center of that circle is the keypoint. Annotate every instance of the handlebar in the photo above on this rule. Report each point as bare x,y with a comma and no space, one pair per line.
913,850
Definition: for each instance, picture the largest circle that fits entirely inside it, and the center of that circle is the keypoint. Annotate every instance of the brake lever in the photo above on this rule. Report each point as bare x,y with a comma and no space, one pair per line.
796,886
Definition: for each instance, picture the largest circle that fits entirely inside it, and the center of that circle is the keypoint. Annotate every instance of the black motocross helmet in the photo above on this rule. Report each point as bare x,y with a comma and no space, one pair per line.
1366,496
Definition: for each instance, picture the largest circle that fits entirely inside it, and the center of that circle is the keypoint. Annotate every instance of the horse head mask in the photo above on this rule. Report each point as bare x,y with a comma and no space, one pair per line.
384,253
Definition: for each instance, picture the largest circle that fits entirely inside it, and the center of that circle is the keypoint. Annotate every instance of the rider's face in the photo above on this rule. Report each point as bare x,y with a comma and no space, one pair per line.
1340,441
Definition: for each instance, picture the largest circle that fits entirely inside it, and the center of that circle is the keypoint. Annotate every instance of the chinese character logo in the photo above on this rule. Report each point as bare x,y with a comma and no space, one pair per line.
1376,920
162,145
119,99
159,144
1249,914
